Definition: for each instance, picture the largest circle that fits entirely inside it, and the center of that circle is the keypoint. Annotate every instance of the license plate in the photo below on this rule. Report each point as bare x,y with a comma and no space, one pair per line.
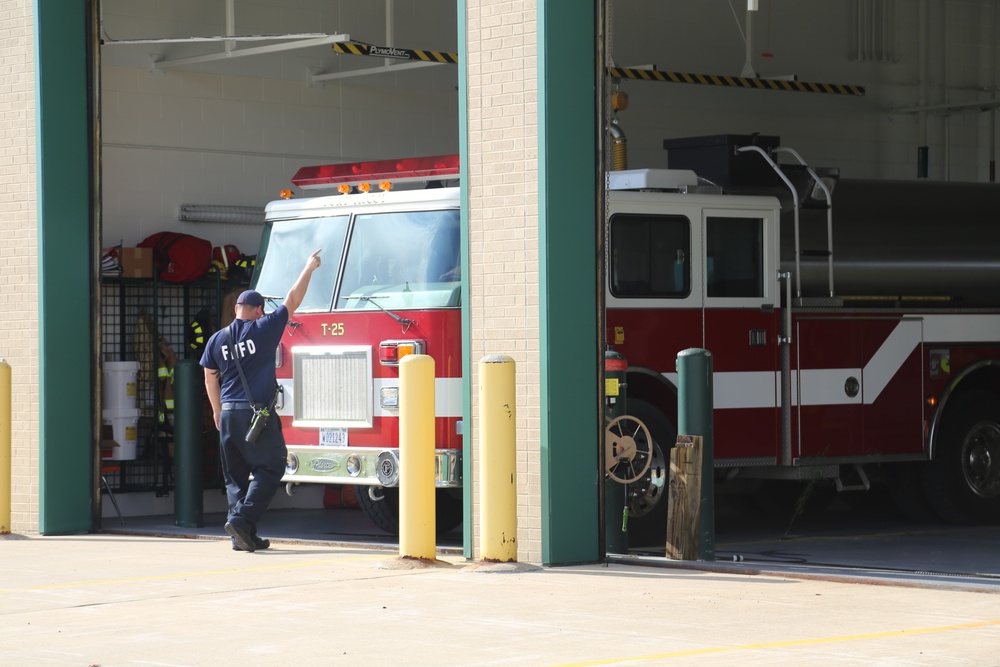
333,437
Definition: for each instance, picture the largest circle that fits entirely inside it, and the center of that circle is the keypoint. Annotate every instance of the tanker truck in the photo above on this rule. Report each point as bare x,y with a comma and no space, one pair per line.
853,326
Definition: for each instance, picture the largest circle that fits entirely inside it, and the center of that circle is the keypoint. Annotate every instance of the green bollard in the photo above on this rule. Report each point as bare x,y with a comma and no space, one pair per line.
189,382
615,531
694,417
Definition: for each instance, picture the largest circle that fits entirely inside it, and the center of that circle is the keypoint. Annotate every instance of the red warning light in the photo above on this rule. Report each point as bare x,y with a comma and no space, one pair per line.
406,169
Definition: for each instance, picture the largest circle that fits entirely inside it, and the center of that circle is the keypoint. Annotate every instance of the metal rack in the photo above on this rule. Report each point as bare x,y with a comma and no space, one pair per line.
136,315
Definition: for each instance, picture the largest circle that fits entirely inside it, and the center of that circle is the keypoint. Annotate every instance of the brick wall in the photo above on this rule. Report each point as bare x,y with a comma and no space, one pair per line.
19,254
503,232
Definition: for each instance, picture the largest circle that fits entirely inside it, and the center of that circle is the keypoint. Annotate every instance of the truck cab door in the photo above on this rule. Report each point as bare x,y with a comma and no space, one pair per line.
653,293
741,328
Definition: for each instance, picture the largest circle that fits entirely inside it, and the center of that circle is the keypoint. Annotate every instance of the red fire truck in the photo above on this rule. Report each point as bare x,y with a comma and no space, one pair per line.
854,326
872,359
389,285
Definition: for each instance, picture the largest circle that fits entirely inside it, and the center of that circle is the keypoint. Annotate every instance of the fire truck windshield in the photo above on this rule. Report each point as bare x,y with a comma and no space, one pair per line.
406,259
288,245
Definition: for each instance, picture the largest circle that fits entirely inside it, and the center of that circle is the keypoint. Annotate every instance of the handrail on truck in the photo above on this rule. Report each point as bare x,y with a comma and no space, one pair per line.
829,213
795,208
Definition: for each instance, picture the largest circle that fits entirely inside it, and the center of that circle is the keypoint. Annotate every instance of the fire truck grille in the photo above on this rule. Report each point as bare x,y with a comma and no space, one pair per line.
332,386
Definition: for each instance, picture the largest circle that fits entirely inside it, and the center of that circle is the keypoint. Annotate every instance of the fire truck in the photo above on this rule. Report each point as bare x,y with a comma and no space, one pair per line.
389,285
854,326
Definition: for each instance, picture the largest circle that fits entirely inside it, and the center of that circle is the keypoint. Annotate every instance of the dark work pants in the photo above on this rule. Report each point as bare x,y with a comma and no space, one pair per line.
264,459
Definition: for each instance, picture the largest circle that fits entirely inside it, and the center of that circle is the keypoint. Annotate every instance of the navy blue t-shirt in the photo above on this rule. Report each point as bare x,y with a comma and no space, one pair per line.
255,342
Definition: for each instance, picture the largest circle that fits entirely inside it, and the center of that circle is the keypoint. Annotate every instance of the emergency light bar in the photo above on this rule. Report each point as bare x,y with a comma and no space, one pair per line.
353,173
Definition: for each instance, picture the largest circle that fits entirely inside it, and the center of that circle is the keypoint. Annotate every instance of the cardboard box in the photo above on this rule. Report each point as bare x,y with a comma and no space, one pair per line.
137,262
108,444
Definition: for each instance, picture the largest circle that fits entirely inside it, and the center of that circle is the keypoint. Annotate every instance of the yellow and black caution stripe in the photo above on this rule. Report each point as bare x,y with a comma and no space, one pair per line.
362,49
735,81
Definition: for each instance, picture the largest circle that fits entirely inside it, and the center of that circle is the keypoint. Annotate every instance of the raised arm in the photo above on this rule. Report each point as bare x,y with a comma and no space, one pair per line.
298,291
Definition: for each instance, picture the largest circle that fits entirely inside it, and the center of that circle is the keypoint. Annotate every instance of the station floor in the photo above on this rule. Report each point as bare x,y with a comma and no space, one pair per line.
840,544
151,593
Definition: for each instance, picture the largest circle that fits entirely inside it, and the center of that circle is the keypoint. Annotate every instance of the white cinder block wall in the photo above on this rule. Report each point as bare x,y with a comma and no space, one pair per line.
235,132
823,42
19,257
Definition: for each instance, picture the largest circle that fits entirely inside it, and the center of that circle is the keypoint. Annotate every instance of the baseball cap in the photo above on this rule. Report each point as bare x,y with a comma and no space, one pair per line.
251,298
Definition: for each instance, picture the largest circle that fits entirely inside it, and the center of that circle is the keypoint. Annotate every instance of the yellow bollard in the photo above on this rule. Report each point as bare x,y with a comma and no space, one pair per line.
497,465
5,445
416,457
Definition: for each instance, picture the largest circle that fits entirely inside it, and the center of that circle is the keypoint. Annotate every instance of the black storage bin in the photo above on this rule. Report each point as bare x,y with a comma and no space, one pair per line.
715,158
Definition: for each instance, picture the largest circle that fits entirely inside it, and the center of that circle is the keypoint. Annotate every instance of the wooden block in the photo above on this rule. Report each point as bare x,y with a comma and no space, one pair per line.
684,498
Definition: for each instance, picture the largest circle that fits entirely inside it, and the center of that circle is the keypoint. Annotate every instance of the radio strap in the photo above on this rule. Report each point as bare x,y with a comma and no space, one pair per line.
239,367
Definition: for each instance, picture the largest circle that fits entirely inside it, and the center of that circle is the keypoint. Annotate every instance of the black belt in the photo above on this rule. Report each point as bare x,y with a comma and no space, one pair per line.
239,406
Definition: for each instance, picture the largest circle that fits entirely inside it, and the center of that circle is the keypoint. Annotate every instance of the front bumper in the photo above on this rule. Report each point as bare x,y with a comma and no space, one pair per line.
310,464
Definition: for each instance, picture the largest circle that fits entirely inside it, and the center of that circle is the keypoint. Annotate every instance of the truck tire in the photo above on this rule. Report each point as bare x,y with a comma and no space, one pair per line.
962,483
647,522
384,512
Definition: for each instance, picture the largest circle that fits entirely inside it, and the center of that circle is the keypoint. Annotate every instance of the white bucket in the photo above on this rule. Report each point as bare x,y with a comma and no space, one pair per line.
118,389
125,427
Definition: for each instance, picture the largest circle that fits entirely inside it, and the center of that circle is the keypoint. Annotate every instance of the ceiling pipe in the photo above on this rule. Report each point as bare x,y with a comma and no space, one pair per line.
253,51
993,115
390,33
230,24
859,30
350,74
922,142
748,70
107,41
948,109
946,147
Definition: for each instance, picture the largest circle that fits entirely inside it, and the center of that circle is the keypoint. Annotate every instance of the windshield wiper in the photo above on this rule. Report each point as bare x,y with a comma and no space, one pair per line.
405,322
277,301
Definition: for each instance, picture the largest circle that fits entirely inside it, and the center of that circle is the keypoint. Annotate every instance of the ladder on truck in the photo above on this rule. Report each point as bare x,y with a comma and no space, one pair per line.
785,341
796,205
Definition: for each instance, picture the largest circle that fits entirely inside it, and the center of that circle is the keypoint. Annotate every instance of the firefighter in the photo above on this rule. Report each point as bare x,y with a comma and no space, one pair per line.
251,340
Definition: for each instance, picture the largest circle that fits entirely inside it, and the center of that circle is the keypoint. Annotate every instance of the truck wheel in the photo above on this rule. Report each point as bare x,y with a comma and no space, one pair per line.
384,512
647,522
962,484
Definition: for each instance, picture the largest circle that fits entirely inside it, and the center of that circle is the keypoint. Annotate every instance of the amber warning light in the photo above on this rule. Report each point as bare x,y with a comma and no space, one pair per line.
354,173
391,352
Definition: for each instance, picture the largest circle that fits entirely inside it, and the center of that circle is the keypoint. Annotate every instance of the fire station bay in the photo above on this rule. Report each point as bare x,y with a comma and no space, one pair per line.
644,280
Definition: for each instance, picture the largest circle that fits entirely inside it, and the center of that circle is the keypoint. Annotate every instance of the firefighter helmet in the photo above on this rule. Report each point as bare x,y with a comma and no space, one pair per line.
243,268
199,329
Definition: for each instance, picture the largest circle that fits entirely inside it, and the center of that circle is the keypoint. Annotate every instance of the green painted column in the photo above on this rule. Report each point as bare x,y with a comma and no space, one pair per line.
67,452
463,158
568,256
189,382
695,417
